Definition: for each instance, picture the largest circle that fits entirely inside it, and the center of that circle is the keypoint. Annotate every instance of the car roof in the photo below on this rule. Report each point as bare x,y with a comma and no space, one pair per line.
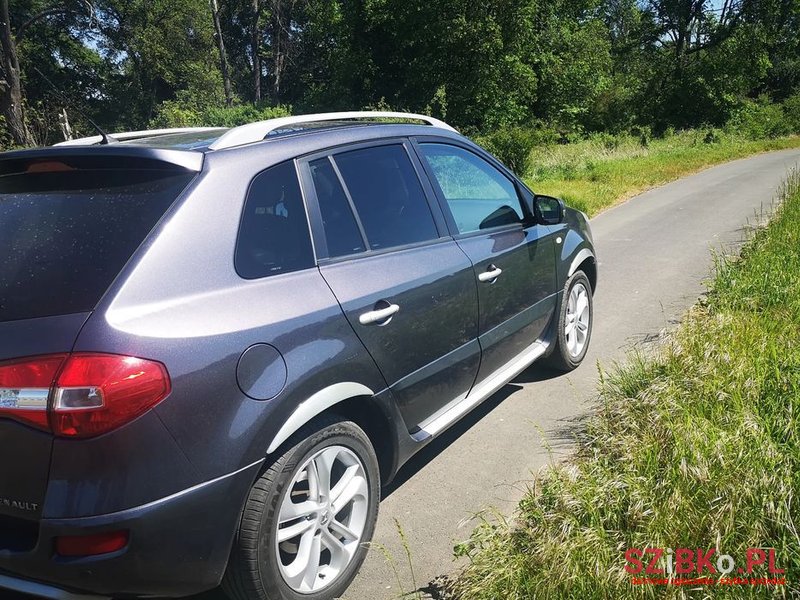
222,138
191,148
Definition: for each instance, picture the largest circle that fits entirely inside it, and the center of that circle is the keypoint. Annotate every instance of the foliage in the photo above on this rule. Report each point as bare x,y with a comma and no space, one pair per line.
696,447
513,145
791,109
580,66
761,119
189,113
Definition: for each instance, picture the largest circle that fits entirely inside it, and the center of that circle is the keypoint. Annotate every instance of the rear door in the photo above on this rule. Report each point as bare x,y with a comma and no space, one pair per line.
513,258
67,227
406,287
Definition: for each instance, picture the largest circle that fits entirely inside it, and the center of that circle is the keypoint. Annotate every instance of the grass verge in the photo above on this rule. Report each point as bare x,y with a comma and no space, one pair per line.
602,171
694,447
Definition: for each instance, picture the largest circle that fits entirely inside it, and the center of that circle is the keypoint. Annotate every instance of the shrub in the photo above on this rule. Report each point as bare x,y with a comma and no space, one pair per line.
222,116
513,145
791,111
179,113
760,119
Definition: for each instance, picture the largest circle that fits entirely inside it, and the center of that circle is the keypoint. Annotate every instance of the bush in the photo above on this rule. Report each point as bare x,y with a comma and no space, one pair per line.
513,145
760,119
791,111
175,113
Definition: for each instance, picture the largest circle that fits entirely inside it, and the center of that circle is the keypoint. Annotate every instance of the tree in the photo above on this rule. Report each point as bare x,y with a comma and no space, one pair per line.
158,48
12,102
255,48
11,106
223,56
695,25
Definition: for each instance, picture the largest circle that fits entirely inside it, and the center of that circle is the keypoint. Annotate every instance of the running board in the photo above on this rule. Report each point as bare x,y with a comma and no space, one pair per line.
479,393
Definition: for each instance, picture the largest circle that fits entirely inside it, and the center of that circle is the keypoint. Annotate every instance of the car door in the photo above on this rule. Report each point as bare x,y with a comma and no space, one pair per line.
513,257
405,286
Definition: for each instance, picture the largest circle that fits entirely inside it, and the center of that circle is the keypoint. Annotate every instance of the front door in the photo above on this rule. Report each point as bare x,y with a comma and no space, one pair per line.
514,259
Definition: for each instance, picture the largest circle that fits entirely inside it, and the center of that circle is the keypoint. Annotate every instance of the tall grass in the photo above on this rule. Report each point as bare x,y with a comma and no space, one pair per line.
604,170
695,447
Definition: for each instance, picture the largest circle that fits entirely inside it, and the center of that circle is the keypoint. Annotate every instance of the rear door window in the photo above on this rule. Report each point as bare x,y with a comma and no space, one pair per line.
66,234
387,195
478,195
341,229
274,236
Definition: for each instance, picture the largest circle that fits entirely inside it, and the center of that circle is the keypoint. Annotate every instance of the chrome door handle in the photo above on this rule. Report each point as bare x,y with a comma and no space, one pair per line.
376,316
489,276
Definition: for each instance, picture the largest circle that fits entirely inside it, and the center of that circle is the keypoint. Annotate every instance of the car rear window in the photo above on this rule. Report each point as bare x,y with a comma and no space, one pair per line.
66,234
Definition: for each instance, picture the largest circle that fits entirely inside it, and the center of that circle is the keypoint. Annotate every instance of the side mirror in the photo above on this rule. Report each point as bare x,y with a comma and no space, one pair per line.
548,210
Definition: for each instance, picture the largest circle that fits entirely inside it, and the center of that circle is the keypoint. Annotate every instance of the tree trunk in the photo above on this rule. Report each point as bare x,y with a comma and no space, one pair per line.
280,44
11,107
223,57
255,41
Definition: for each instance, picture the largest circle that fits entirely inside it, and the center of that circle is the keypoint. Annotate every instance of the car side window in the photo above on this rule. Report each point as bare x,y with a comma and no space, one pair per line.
387,195
478,195
273,235
341,230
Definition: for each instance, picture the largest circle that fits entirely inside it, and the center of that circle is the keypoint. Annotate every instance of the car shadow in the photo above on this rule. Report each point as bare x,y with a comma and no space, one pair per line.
532,374
536,373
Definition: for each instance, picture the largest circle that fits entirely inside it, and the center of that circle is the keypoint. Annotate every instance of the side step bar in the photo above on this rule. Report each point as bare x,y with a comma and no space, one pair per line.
461,406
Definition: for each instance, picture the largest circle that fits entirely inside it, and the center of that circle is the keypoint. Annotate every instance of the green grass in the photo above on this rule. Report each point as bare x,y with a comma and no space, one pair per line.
695,446
597,173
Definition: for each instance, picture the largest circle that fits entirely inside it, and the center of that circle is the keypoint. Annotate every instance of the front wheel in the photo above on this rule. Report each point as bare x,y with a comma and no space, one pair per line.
308,518
574,325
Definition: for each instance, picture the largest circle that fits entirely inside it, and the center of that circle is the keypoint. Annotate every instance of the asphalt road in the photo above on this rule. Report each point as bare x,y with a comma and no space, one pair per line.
654,254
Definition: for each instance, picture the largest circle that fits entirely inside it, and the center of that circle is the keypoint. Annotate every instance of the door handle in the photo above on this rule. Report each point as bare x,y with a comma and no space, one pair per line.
380,316
490,275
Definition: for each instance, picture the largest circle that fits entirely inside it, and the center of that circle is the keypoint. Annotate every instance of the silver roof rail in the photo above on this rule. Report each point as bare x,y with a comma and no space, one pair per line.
134,135
255,132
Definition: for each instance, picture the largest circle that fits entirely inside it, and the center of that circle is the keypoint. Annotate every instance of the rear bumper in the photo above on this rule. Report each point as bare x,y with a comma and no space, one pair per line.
178,546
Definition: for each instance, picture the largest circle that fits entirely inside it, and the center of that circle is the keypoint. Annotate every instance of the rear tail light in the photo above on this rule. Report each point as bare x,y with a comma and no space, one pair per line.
80,395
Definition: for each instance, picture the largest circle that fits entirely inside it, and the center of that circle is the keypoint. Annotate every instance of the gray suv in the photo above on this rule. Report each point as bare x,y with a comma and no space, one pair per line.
216,345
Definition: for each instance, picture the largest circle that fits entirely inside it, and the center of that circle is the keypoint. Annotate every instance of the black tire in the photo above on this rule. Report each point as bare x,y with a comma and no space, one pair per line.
253,571
561,358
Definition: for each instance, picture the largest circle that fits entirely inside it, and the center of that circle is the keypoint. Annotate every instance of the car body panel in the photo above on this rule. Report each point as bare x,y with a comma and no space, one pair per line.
428,352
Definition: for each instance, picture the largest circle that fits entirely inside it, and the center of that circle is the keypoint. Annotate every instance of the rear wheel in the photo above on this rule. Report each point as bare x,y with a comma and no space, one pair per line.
308,518
574,326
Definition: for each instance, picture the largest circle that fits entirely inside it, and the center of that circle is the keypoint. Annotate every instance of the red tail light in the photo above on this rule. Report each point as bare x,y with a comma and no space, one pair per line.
91,545
25,388
80,395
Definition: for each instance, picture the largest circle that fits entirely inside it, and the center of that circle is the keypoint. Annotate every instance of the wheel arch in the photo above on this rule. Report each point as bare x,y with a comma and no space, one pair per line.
353,402
584,260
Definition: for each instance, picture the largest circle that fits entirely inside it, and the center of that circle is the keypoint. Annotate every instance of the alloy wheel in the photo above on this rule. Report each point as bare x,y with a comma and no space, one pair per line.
322,519
576,325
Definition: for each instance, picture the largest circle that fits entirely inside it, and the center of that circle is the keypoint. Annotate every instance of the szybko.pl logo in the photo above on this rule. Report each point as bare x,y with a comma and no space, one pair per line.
703,566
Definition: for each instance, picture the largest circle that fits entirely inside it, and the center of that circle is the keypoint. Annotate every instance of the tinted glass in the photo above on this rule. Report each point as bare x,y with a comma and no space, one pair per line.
273,236
388,196
341,230
66,234
479,196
